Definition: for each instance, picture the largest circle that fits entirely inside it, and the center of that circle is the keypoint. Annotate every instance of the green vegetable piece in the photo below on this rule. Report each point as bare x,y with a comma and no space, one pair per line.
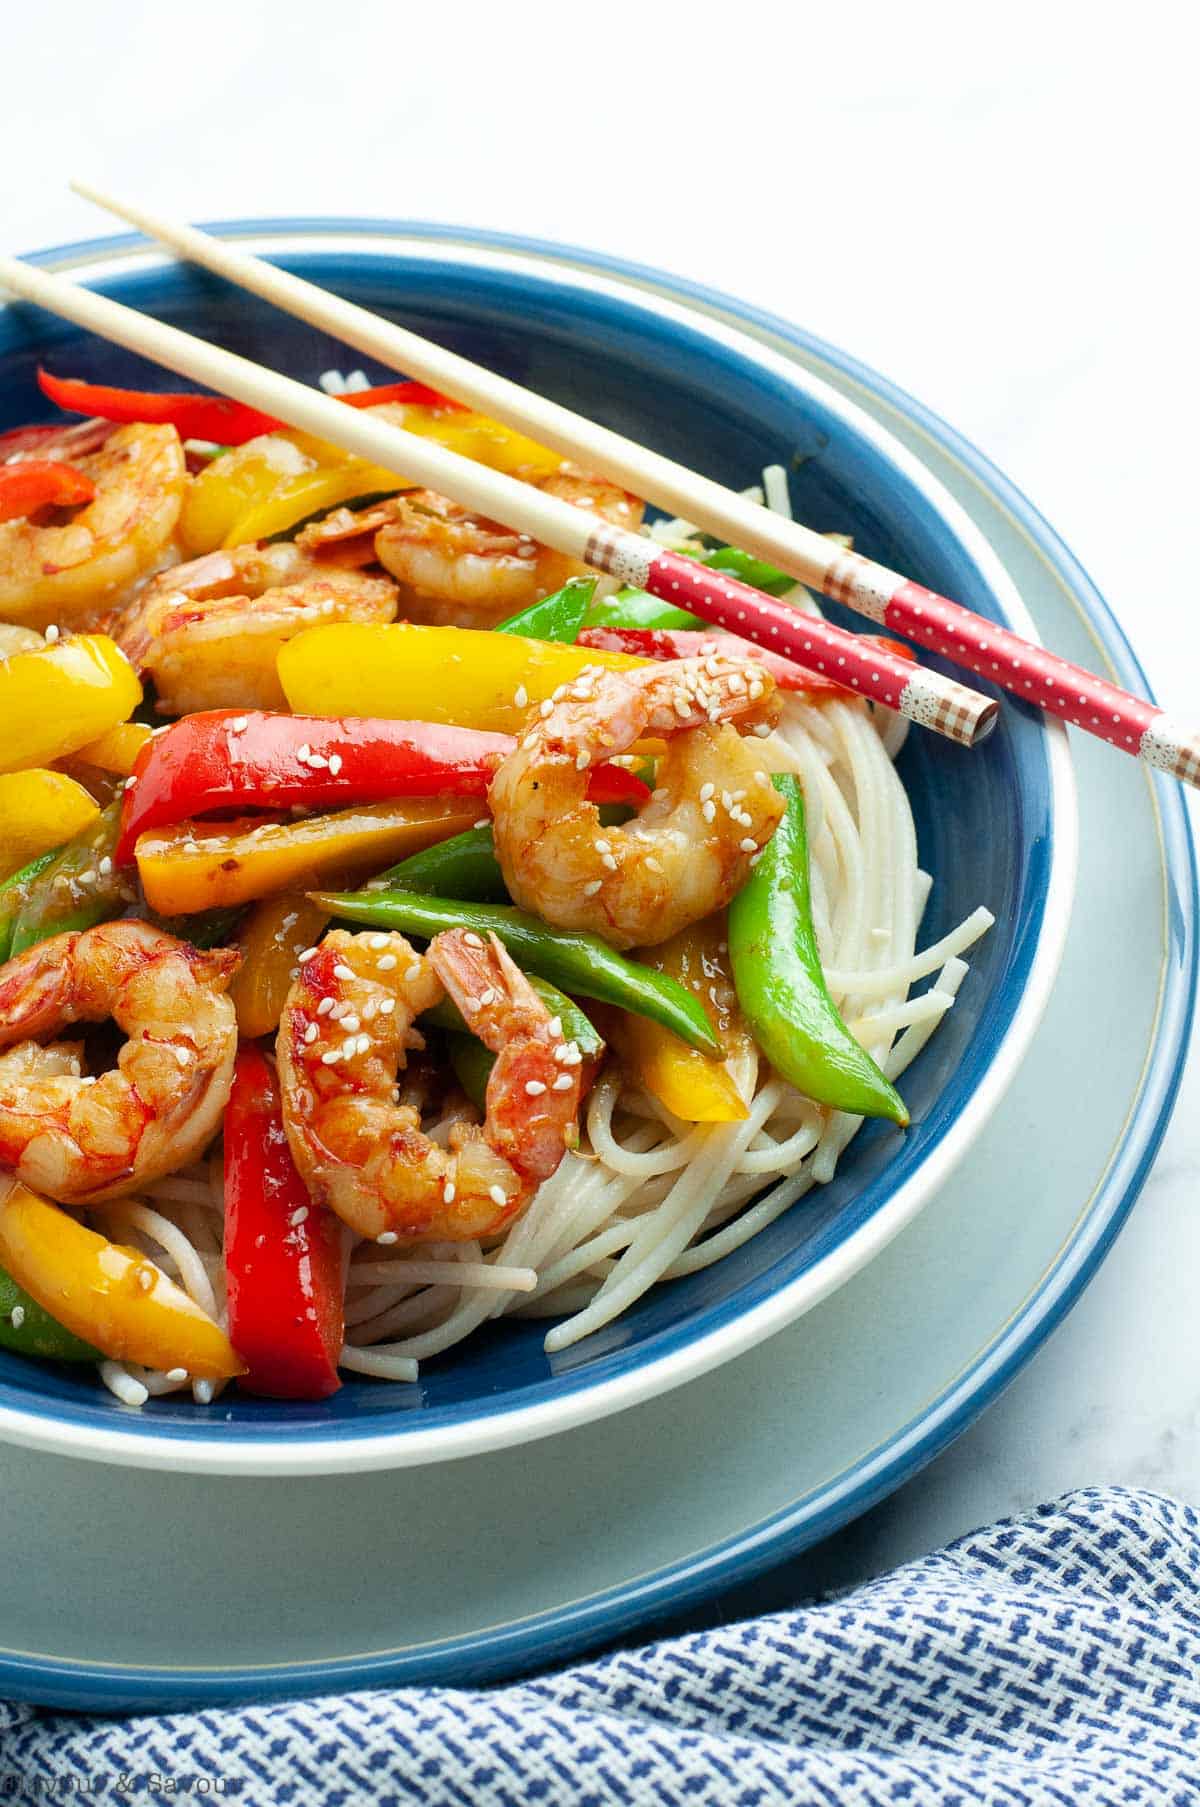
636,608
14,891
464,866
35,1331
557,617
355,504
575,962
753,571
74,891
780,985
472,1064
576,1026
203,928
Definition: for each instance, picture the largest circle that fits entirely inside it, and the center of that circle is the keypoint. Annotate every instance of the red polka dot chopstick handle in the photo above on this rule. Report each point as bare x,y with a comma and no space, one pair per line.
1055,685
859,663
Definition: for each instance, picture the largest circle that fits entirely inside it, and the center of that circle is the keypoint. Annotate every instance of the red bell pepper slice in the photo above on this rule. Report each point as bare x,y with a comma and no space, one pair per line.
195,416
212,417
689,643
223,760
35,483
413,394
283,1253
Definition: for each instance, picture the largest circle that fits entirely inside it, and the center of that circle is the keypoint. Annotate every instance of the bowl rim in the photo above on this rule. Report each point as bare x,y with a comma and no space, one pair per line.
352,1448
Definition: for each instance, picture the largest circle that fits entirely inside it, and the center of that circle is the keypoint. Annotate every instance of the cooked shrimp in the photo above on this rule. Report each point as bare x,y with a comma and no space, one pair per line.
209,632
346,1030
78,1137
691,847
50,571
462,570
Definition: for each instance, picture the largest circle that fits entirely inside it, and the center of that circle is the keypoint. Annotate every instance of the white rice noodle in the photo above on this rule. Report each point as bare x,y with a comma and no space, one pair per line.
647,1198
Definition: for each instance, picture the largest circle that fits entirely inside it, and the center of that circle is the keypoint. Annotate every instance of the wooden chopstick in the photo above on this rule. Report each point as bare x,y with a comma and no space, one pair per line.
1061,688
854,660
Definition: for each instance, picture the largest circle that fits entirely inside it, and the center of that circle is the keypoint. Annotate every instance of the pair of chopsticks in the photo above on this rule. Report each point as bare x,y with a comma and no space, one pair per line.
1028,671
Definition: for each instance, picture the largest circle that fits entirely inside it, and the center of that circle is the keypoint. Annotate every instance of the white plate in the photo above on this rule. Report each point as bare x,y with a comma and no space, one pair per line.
132,1588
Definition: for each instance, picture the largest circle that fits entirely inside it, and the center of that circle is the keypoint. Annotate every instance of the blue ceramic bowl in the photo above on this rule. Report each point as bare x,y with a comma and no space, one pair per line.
995,826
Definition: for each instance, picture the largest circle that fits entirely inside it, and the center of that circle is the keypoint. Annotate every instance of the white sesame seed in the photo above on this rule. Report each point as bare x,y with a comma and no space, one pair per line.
601,845
472,939
51,634
310,1034
387,1237
708,810
331,1057
488,997
378,942
386,963
341,971
317,761
335,764
386,1006
350,1021
563,1083
184,1056
534,1088
748,846
544,709
146,1279
521,697
554,1027
755,690
567,1054
370,1010
411,975
177,1374
483,822
498,1195
706,791
607,859
364,1044
582,761
591,888
349,1047
325,1006
652,865
105,866
304,753
299,1216
470,1005
239,724
448,1192
762,729
17,1316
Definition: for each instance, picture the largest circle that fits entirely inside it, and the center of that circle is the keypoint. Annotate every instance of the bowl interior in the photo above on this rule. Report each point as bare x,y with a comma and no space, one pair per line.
984,819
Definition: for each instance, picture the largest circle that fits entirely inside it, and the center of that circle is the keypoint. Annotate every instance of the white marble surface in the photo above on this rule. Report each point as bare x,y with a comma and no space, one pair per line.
999,215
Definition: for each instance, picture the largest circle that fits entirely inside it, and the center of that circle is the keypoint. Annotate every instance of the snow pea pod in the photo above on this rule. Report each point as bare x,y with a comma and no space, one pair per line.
556,617
575,962
464,866
13,893
780,985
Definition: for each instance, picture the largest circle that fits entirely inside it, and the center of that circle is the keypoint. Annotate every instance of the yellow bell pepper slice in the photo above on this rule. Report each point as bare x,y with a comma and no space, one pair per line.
695,1088
236,481
116,750
430,674
56,698
297,497
39,810
480,437
273,936
113,1297
204,865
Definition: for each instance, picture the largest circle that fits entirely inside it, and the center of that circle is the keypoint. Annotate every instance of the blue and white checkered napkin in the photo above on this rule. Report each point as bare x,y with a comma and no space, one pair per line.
1049,1659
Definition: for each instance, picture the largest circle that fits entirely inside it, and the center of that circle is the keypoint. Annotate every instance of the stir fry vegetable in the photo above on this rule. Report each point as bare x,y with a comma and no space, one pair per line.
27,1328
435,674
193,416
271,939
574,961
782,989
13,892
38,811
77,887
283,1253
41,483
224,760
694,1088
200,865
57,698
557,617
107,1294
464,866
